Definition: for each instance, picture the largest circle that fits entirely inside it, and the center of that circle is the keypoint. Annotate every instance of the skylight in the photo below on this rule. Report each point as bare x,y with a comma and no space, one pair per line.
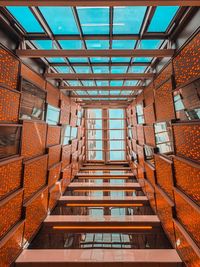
26,18
162,18
60,19
128,20
71,44
97,44
94,19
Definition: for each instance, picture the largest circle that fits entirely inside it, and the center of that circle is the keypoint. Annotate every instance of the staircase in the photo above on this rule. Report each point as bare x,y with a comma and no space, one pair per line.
103,219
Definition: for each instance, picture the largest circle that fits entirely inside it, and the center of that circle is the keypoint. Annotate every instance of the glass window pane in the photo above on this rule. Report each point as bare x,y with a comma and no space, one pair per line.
97,44
100,69
117,155
71,44
94,113
116,134
150,44
74,131
88,83
44,44
26,18
94,134
120,59
99,59
92,145
53,115
162,18
114,145
142,59
60,19
130,83
74,83
116,124
102,83
64,69
128,20
137,69
77,59
116,113
119,69
56,59
123,44
94,124
116,83
82,69
95,155
94,20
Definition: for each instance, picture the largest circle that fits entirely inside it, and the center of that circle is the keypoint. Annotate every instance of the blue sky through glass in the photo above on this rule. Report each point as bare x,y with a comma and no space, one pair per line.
162,18
128,20
60,19
26,18
94,19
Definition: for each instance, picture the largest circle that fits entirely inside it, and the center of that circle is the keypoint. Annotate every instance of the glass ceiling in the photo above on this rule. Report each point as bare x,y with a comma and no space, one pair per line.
97,28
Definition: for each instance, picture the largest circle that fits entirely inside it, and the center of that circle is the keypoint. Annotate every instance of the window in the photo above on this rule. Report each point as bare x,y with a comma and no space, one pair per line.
9,140
53,115
140,113
163,137
32,102
186,101
66,134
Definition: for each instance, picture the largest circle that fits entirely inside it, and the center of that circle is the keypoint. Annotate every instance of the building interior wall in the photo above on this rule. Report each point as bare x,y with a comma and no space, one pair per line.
170,179
36,165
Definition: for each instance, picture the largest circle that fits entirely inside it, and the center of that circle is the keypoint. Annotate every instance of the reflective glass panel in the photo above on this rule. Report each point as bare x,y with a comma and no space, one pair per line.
60,19
26,18
128,20
162,18
94,20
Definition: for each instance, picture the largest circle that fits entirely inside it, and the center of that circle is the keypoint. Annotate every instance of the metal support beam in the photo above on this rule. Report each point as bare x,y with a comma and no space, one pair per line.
100,76
102,96
28,53
99,3
101,88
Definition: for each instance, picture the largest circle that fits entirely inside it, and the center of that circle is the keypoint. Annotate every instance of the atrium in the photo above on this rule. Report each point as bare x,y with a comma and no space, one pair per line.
99,133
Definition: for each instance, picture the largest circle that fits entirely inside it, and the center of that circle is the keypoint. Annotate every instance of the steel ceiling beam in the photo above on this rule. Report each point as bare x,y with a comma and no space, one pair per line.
100,64
102,96
99,76
101,88
28,53
146,36
99,3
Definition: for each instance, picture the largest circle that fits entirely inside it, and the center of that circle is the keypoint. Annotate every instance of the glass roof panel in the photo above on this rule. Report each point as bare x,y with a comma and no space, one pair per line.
118,69
92,92
120,59
44,44
162,18
88,83
94,20
116,83
78,59
137,69
103,92
115,92
102,83
126,92
97,44
128,20
64,69
26,18
81,92
142,59
74,83
100,69
71,44
82,69
123,44
130,82
60,19
56,59
150,44
99,59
